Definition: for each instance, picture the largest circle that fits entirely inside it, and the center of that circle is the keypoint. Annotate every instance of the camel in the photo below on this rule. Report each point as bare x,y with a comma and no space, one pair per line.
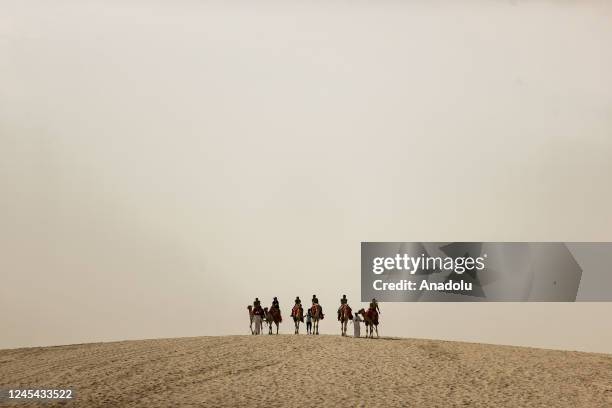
317,314
272,316
344,316
298,316
251,318
371,321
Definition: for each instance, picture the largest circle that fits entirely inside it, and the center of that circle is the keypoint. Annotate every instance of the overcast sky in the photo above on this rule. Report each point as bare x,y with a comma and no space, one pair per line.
163,163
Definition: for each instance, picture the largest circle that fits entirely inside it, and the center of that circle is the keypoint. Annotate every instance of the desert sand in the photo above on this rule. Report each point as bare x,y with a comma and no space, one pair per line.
305,371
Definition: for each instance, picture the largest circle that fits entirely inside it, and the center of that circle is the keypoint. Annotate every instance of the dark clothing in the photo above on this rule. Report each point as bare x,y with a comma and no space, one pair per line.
258,311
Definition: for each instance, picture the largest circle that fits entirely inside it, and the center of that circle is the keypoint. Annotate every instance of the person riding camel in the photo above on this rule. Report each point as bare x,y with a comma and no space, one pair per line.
275,309
297,311
315,301
374,305
297,305
256,302
343,302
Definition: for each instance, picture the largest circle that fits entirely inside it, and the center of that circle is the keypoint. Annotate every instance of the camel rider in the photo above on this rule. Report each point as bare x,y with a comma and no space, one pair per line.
374,305
297,300
343,302
256,302
315,301
275,303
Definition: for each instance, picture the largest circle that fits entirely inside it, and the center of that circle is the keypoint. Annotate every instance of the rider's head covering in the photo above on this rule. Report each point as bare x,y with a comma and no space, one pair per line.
275,298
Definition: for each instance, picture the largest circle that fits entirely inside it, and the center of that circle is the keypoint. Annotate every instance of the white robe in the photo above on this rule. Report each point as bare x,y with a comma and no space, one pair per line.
356,326
258,322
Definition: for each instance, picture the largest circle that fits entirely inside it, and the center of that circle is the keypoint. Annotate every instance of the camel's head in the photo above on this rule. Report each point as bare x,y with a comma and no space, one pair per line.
361,311
250,307
266,309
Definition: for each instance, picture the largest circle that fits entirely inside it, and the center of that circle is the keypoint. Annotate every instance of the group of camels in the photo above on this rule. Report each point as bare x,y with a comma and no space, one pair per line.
272,316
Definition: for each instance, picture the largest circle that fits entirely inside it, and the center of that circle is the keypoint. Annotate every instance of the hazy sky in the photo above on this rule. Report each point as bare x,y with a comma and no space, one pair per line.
163,163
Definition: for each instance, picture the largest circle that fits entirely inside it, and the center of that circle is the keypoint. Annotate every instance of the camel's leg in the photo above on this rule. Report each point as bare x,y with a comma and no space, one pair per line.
277,328
376,327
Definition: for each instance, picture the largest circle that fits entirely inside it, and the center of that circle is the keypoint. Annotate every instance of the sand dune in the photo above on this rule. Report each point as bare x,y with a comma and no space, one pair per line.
287,370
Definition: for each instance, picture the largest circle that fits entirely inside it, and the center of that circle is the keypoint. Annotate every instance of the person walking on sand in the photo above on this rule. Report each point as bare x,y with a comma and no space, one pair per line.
356,325
309,322
258,315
